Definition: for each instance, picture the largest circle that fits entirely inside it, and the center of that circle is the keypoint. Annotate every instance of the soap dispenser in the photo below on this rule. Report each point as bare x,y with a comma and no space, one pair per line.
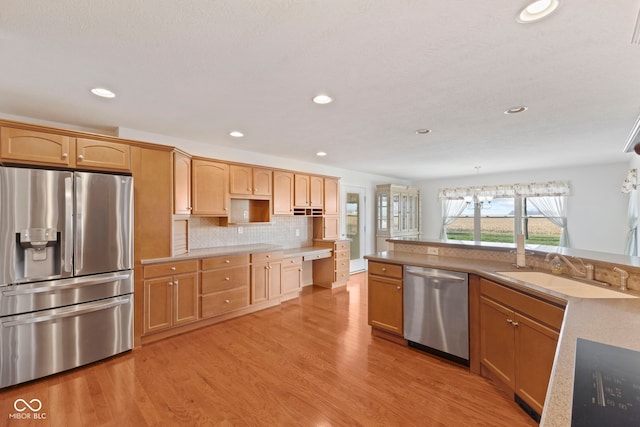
557,267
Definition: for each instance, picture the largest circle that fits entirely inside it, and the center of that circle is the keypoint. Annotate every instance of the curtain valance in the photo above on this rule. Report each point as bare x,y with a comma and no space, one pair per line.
533,189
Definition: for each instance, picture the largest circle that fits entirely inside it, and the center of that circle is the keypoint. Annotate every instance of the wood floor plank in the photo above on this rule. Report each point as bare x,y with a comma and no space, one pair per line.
309,362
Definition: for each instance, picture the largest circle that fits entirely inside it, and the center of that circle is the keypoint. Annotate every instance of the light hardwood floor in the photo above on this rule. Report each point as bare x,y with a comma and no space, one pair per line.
309,362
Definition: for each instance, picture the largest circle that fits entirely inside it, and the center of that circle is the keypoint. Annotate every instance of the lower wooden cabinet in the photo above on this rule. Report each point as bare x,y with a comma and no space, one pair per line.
385,297
332,272
266,276
518,340
292,276
224,284
170,295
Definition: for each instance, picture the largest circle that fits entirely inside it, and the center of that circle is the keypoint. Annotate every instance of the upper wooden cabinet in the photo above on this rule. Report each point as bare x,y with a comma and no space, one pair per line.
308,191
331,196
48,149
210,187
250,181
181,183
283,193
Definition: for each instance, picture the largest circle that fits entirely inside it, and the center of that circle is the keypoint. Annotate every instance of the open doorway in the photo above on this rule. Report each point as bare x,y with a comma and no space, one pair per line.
354,222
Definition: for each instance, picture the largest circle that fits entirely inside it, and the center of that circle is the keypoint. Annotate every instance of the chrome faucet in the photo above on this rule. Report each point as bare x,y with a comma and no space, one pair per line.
588,272
624,275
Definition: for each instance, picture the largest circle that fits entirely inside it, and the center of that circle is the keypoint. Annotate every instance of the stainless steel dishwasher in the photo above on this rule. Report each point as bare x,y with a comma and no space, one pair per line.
436,312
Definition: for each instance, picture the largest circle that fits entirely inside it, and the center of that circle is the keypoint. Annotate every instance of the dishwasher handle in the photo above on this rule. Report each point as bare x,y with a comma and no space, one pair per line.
438,275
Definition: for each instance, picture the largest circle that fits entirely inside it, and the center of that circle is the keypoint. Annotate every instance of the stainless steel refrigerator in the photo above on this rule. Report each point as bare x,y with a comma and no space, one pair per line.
66,279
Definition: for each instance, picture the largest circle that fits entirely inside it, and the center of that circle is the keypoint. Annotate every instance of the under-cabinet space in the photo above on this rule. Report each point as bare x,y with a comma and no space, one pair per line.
245,211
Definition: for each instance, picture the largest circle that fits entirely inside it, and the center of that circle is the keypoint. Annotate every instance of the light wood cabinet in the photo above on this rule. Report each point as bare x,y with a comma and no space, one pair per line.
308,191
292,276
266,276
210,187
49,149
224,284
385,297
397,213
332,272
283,185
249,181
170,295
181,183
518,339
331,196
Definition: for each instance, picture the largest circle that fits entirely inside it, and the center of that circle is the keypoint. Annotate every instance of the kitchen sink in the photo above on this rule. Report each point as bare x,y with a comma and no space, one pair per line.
564,285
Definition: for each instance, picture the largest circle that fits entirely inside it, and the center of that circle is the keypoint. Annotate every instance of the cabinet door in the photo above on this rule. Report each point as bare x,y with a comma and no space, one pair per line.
316,192
262,182
331,196
26,146
331,227
282,193
385,304
185,298
210,193
157,304
240,179
497,340
259,283
275,279
535,350
301,191
101,155
181,184
292,275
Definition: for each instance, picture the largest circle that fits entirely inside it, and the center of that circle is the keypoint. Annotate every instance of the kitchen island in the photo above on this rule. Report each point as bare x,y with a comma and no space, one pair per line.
611,321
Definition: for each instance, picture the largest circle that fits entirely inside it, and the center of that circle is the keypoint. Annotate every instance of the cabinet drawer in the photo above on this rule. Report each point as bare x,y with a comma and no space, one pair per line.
342,264
342,246
386,270
266,256
317,256
294,262
224,302
169,268
542,311
342,254
224,261
342,275
223,279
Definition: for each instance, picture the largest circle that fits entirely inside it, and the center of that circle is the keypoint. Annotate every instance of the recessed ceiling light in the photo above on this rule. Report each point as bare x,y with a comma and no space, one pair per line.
516,110
321,154
322,99
423,131
105,93
537,10
236,134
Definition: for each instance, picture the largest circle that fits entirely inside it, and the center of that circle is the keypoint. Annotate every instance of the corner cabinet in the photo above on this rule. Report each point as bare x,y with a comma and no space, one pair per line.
397,213
518,340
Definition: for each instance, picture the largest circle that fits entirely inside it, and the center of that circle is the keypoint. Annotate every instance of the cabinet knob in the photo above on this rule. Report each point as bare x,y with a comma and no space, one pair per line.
173,269
384,270
80,157
398,287
65,155
227,278
175,283
268,256
509,321
170,283
227,261
189,208
515,323
227,301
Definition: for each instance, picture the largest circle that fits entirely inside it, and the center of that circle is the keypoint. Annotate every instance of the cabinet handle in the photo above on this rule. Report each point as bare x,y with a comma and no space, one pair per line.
173,269
189,208
65,155
175,283
227,278
170,283
398,287
227,301
80,157
515,324
384,270
509,321
227,261
268,256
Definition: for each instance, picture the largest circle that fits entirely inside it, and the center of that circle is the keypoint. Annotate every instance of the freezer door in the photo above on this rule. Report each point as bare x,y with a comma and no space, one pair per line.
36,225
104,223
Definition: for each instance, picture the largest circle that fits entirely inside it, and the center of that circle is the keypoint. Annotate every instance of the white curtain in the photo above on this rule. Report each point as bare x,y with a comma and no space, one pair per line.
555,210
451,210
632,223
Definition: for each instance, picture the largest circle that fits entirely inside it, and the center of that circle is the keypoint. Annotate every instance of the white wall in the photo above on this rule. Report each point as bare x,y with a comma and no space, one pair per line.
597,209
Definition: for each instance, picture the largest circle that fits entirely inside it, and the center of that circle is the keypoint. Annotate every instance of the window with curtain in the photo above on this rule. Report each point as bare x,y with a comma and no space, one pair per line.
498,213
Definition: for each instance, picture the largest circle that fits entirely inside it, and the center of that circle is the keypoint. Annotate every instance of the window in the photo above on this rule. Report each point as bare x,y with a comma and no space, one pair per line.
537,228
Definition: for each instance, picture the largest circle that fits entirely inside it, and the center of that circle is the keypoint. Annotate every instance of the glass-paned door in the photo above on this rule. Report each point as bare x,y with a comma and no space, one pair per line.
355,225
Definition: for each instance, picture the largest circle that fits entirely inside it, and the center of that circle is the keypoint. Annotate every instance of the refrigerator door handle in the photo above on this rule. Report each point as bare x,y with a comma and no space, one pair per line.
79,232
68,225
72,311
73,284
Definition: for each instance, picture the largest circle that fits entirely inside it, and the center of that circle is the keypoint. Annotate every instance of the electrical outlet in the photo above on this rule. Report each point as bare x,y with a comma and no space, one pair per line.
297,232
240,230
432,251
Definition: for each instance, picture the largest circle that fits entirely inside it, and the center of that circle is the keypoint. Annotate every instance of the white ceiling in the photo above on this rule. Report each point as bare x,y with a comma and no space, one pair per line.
197,69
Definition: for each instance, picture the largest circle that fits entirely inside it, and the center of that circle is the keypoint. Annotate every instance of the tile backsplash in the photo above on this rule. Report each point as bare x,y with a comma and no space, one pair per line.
206,233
